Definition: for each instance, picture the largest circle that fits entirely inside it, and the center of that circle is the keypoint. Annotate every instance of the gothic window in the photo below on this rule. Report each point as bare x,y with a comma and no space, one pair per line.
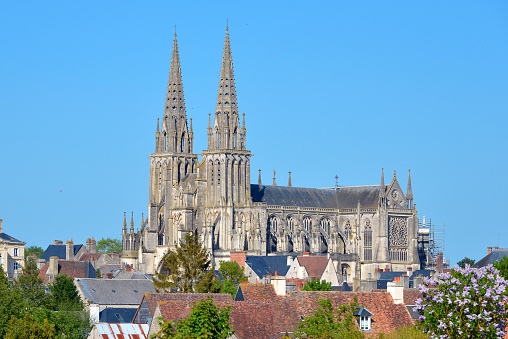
273,223
325,225
367,241
348,230
182,141
397,231
291,223
218,172
211,172
165,142
307,224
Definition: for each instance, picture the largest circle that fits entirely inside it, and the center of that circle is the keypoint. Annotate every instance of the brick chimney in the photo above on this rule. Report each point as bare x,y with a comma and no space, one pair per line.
239,257
69,250
128,268
53,266
306,254
439,261
109,275
496,248
489,250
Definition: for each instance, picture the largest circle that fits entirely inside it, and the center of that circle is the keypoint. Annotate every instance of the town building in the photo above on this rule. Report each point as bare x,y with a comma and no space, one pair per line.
361,228
12,254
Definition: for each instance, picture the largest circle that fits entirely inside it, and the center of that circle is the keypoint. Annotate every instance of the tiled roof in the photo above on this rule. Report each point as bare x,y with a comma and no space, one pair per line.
270,318
8,238
153,298
73,269
256,292
59,251
315,265
342,197
268,265
90,256
411,295
115,292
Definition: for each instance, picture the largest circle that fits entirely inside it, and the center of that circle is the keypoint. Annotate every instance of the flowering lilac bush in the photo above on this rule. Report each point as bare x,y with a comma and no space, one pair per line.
466,303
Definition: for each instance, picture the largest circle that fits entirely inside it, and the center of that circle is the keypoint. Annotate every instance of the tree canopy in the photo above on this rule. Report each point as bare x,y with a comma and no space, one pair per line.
109,245
233,276
34,250
205,320
187,269
502,266
466,261
328,322
317,285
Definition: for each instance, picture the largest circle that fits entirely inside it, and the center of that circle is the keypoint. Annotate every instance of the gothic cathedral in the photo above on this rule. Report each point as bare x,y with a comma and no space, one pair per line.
363,228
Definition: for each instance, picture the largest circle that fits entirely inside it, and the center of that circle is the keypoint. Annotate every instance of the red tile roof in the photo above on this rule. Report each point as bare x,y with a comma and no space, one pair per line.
258,292
90,256
411,295
315,266
73,269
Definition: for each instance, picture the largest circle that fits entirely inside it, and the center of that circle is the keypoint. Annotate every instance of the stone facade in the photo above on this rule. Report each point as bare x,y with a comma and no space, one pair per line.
12,254
362,228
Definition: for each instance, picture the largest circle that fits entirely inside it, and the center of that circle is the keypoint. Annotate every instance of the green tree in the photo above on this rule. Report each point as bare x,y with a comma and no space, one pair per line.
502,266
187,269
30,251
317,285
109,245
65,294
205,320
233,275
28,328
30,285
11,302
466,261
405,332
328,322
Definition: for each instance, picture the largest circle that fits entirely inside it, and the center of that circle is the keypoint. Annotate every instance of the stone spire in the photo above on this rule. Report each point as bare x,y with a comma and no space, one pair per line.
124,222
132,222
409,194
274,183
259,177
227,132
382,188
174,136
289,179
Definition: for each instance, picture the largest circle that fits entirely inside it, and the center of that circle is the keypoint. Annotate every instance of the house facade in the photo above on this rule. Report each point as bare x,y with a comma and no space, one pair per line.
12,254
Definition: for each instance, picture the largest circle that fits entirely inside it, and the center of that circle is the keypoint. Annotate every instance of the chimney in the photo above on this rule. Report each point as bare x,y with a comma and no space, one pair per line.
396,289
306,254
496,248
128,268
405,281
279,284
439,261
109,275
1,229
69,250
57,242
93,246
489,250
417,281
387,268
409,271
53,266
239,257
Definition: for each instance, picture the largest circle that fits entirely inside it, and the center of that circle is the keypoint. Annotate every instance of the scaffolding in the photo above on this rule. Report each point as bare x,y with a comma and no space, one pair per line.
431,241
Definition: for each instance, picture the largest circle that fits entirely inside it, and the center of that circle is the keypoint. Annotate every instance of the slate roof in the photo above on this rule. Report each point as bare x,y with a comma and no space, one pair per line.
342,197
59,251
117,315
268,265
115,291
342,288
8,238
410,297
315,265
255,292
73,269
492,257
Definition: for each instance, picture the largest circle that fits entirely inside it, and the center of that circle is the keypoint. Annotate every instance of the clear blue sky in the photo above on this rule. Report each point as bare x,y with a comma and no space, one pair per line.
327,87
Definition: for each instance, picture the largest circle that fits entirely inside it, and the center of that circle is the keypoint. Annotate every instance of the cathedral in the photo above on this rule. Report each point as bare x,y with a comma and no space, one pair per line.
364,229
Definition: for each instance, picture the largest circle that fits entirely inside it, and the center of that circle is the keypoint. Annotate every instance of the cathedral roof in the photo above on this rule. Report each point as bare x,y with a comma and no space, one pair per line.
342,197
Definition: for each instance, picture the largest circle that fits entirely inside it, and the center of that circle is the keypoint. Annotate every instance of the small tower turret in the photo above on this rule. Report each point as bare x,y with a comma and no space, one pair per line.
409,194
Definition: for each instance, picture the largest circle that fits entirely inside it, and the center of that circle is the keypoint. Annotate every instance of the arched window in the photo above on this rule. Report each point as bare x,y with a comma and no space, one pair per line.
291,223
273,223
367,241
348,230
307,224
325,225
165,142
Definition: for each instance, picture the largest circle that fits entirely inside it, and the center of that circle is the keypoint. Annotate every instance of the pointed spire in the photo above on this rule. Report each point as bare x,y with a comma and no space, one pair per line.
132,222
274,183
142,220
124,222
382,186
175,103
409,195
157,125
191,131
394,174
259,177
289,180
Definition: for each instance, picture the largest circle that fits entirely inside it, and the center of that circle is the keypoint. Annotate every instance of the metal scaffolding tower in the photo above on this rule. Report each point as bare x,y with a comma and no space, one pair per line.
431,241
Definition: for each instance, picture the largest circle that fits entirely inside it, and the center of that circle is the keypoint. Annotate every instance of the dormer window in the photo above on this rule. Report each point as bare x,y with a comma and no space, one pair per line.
364,319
